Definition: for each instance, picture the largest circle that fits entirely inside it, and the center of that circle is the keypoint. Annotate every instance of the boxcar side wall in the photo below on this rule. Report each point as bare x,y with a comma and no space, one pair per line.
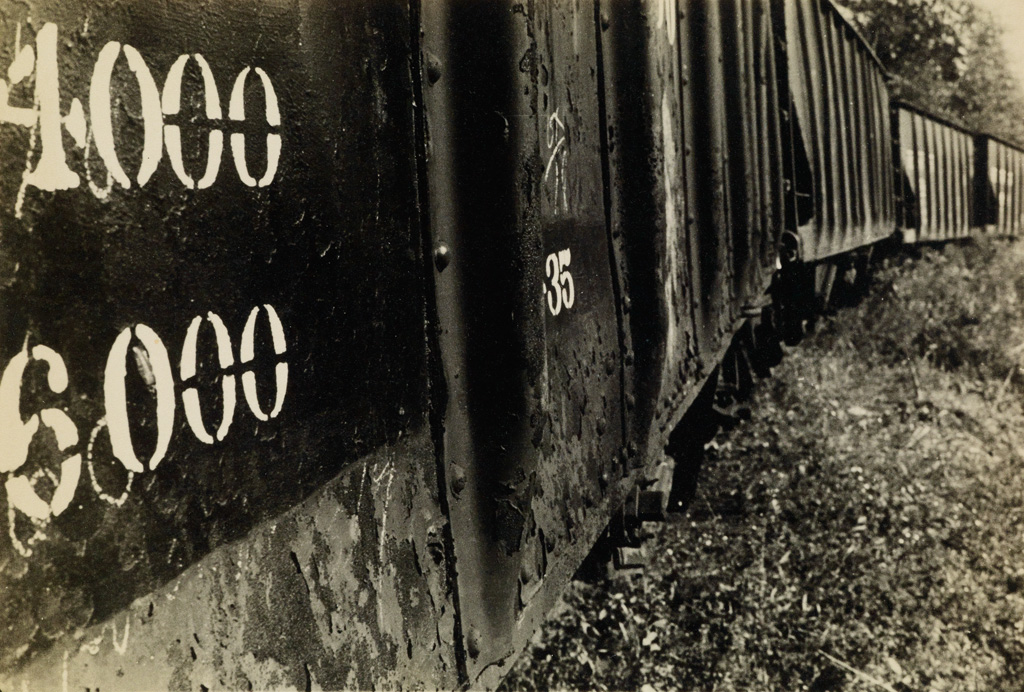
218,466
527,306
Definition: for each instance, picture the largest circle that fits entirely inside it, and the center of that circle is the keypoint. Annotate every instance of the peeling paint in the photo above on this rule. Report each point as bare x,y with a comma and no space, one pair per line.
300,615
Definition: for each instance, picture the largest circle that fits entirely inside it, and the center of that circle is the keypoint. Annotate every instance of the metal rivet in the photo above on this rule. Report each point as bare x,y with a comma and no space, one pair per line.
442,256
433,68
458,479
473,642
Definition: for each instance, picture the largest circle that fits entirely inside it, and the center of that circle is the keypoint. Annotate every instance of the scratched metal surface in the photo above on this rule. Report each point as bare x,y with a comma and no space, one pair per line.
190,349
1000,176
936,181
841,106
526,305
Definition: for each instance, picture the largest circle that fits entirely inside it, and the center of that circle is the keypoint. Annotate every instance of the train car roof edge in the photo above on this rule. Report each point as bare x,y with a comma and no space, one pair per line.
941,119
1002,140
860,36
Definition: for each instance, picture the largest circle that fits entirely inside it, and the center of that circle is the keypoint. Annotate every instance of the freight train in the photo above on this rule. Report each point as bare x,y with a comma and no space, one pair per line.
334,335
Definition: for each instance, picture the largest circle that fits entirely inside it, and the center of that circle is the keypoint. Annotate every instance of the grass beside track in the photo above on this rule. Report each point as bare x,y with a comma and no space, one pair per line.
865,530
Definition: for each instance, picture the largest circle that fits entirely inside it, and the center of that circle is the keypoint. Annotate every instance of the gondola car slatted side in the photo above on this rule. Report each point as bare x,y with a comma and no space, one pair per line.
935,160
845,139
999,183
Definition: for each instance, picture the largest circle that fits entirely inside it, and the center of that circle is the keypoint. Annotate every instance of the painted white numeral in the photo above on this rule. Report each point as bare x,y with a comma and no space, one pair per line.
90,465
562,292
102,124
155,366
236,111
247,354
171,105
16,436
47,122
190,397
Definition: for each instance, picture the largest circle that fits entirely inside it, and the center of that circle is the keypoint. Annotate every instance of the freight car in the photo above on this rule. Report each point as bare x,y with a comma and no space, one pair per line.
938,177
336,334
999,186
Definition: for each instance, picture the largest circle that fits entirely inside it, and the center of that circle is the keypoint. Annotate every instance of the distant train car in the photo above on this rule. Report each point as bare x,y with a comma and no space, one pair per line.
999,181
935,185
842,170
839,161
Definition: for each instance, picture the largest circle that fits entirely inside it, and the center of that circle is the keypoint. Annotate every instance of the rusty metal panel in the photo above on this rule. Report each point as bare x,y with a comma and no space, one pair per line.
734,176
1018,190
707,177
212,307
842,119
649,211
910,208
346,590
936,160
936,202
695,188
527,308
754,147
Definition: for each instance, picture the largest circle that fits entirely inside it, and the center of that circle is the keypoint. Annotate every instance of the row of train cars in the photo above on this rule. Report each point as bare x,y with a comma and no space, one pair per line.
334,335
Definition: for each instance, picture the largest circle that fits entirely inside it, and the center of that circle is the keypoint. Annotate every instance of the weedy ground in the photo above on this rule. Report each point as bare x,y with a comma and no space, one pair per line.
864,531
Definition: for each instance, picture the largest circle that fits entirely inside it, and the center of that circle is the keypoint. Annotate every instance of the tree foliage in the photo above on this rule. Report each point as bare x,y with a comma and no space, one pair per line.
946,56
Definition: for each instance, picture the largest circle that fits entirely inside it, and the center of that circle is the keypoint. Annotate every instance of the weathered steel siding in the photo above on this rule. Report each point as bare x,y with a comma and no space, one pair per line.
347,590
842,110
149,297
734,176
1000,170
532,427
695,181
649,210
754,155
936,181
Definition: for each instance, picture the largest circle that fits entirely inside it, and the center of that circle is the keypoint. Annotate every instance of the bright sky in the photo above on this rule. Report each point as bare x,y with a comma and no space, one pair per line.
1010,15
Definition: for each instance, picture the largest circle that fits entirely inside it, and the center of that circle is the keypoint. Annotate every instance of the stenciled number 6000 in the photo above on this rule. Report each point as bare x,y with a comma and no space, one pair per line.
153,360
